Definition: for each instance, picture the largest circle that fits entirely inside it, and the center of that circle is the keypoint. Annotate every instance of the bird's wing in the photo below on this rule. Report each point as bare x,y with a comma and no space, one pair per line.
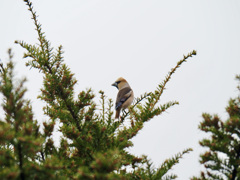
122,96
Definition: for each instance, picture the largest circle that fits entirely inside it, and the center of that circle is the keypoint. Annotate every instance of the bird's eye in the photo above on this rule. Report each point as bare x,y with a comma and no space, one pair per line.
118,82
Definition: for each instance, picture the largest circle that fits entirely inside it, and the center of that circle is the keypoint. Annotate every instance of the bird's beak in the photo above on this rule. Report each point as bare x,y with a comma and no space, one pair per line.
115,84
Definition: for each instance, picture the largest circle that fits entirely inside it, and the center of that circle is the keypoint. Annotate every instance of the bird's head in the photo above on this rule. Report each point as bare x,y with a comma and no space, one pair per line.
120,83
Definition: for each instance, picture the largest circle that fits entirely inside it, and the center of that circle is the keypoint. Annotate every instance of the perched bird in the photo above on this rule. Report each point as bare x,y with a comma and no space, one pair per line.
124,97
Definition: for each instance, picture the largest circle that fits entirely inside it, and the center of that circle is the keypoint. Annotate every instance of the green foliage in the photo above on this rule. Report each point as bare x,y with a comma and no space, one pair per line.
222,160
20,139
149,172
93,144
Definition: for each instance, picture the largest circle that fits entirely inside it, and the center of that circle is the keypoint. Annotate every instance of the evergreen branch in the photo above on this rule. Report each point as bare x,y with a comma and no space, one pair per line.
103,105
151,173
169,177
161,86
23,132
109,112
56,73
238,78
43,42
225,140
154,98
169,163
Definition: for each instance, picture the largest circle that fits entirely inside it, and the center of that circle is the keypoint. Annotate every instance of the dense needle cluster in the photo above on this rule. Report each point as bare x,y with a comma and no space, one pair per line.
222,160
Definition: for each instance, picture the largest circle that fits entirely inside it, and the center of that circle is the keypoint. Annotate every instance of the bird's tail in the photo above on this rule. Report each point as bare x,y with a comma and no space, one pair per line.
117,114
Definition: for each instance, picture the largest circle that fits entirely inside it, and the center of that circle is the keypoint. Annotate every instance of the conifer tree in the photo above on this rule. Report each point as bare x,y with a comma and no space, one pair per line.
222,160
93,144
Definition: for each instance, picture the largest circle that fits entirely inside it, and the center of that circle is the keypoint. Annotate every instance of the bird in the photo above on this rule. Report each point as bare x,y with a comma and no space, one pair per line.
125,95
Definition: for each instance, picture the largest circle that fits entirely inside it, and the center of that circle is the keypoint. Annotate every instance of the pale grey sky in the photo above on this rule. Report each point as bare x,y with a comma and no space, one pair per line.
140,40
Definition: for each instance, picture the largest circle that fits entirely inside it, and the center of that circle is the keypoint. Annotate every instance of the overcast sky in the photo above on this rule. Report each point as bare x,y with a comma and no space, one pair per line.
140,40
